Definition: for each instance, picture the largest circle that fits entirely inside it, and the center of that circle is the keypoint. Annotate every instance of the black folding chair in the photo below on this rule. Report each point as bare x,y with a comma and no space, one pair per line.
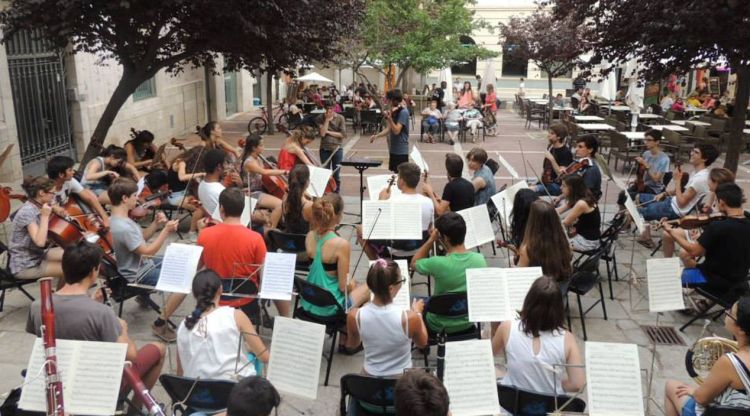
373,392
584,278
521,402
291,243
726,411
454,305
725,299
8,281
190,395
320,297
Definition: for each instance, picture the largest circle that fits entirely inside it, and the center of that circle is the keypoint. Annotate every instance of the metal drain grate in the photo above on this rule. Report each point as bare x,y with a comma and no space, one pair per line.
663,335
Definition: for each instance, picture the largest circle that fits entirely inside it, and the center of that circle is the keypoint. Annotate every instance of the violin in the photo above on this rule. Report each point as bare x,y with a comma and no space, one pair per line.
548,176
148,202
640,178
177,143
574,167
689,222
5,197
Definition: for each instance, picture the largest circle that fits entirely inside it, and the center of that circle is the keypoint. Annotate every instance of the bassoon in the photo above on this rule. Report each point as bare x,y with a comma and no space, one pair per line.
140,391
53,380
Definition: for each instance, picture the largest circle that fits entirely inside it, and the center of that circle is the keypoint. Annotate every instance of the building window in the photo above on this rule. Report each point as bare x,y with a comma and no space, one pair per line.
145,90
512,65
468,67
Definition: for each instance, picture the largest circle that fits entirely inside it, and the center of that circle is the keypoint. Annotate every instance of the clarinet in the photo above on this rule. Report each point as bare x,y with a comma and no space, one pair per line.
53,381
140,390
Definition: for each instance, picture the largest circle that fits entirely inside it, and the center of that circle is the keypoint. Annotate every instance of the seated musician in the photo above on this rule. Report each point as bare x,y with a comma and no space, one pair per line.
449,270
182,172
385,330
586,148
537,341
681,201
208,338
252,396
211,186
102,170
29,257
545,244
458,193
654,163
727,384
140,149
330,260
254,169
407,182
520,214
129,244
716,177
724,244
60,170
420,393
483,179
333,134
74,307
292,151
240,258
431,120
558,157
296,207
212,138
583,217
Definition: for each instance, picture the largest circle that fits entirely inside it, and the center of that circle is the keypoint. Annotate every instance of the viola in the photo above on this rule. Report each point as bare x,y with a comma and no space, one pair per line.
5,197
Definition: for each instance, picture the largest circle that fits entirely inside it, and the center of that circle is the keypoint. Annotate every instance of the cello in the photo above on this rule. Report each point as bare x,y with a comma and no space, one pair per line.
273,184
5,196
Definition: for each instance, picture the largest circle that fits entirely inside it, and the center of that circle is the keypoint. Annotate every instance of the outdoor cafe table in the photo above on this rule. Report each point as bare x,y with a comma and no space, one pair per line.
747,122
588,118
695,110
647,116
746,131
618,107
678,122
669,127
540,102
633,136
698,123
594,126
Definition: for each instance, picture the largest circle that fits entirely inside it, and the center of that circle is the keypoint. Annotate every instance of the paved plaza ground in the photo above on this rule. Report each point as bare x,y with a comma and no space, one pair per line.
511,146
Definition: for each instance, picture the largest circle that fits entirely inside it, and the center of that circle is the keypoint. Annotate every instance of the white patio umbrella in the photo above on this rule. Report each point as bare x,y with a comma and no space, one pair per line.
447,76
489,75
608,86
314,77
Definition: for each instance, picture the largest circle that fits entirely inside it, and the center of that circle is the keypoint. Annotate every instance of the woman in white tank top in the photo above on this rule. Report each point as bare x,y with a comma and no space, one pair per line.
537,341
207,339
386,330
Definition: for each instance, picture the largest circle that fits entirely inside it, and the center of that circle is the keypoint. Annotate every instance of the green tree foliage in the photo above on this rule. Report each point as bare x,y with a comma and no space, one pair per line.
145,36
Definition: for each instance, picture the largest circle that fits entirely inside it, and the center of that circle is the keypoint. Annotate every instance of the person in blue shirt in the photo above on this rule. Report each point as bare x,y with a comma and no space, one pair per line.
397,129
654,164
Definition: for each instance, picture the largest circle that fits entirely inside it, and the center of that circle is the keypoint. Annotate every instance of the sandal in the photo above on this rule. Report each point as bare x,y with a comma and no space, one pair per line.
649,244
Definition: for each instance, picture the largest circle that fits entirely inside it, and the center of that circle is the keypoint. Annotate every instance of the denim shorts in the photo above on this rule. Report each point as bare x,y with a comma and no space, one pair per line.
553,189
689,408
657,210
693,276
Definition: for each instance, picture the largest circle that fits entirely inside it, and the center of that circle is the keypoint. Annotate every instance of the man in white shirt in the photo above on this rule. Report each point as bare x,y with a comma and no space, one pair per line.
211,186
409,175
680,202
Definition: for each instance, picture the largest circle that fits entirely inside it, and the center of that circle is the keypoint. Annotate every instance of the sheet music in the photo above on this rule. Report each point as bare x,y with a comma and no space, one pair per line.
398,220
377,183
613,373
91,373
278,276
141,184
638,220
402,299
296,348
470,378
518,282
620,184
504,200
318,180
247,212
178,268
478,226
664,285
487,295
416,156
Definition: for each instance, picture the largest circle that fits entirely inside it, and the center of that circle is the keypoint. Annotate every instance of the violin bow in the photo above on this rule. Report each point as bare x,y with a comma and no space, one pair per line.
526,172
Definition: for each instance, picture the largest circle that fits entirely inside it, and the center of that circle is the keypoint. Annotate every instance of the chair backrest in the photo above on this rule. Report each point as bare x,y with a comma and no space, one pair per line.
368,116
206,395
521,402
237,286
287,242
375,391
586,273
618,141
315,294
449,304
5,274
726,411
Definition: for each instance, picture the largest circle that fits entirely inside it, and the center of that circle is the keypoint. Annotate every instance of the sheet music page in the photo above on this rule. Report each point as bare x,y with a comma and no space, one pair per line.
402,299
638,220
478,226
518,281
416,156
141,184
296,347
613,373
487,295
504,200
278,276
178,268
620,184
91,373
318,180
376,220
406,220
470,378
377,183
664,285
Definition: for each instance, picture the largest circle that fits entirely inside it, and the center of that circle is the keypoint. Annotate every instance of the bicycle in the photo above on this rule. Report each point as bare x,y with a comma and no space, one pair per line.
260,124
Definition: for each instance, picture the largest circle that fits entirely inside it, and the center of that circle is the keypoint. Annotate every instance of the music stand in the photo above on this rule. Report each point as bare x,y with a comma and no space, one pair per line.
361,164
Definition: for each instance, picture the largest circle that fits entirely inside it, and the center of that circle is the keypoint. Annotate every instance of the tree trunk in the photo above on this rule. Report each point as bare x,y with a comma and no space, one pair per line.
549,94
734,144
269,100
401,77
127,85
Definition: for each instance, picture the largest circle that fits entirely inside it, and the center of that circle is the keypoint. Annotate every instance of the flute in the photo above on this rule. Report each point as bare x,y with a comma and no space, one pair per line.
53,381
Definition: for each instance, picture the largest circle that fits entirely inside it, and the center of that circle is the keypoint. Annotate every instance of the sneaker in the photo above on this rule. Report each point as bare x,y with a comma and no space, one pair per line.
164,332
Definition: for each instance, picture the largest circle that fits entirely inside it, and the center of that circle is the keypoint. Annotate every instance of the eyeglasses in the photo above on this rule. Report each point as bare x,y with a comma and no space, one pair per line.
728,312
